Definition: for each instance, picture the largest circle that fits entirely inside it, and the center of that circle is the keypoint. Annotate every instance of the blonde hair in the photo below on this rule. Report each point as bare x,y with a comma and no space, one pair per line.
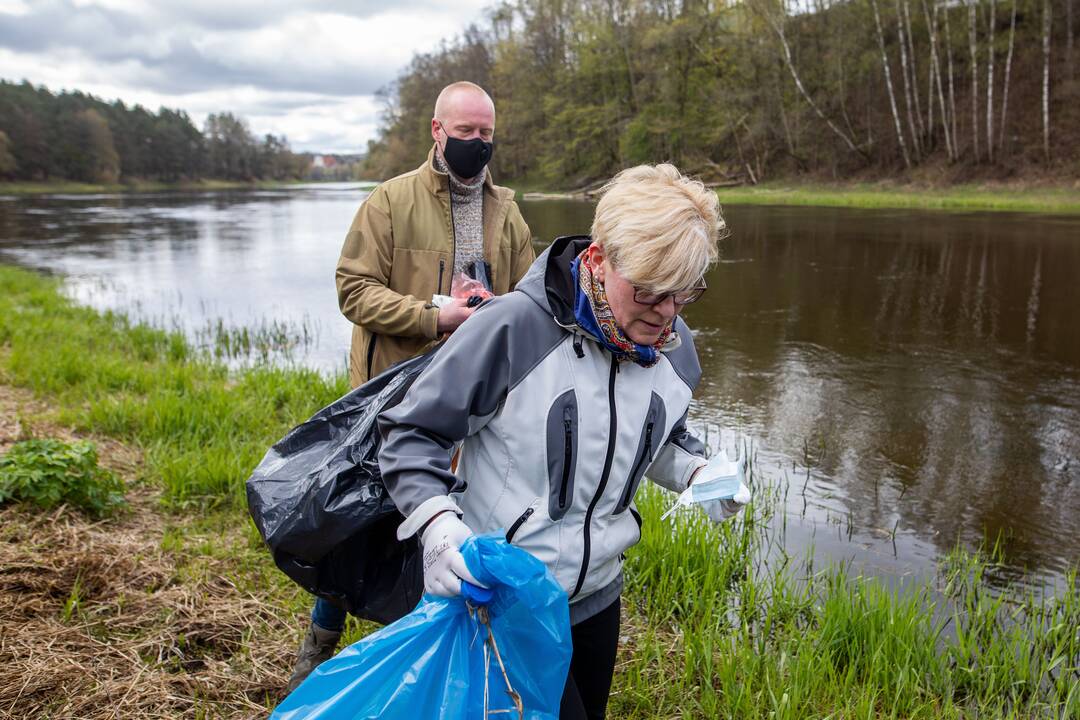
658,227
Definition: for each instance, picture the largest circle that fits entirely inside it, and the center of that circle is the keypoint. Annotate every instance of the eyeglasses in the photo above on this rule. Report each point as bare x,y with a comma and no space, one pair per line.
684,297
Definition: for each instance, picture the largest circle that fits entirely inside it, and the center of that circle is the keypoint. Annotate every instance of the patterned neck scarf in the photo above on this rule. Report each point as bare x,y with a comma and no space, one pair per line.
593,314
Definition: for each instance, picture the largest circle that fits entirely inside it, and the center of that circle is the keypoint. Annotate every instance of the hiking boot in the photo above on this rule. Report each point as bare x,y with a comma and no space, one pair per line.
318,646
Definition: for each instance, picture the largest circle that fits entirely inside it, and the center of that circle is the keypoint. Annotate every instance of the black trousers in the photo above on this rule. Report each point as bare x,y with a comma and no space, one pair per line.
592,665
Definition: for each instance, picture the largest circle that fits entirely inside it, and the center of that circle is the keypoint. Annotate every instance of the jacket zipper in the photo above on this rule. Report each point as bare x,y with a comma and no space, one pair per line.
568,455
645,455
612,428
442,266
517,524
453,235
371,354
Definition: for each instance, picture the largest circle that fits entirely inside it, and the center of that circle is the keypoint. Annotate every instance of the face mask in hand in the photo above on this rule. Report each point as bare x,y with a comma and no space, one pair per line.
467,157
721,479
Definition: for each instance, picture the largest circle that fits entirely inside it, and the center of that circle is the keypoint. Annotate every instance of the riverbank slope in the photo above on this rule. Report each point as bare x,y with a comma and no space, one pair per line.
175,608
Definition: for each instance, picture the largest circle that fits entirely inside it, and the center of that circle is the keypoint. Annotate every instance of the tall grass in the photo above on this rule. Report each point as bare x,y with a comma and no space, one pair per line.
202,427
736,628
721,621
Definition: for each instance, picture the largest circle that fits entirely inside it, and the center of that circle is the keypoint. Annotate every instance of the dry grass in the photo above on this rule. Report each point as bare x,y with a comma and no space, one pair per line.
140,616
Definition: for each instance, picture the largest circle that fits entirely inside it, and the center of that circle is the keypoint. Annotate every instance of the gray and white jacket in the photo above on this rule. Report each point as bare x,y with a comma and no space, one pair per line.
555,433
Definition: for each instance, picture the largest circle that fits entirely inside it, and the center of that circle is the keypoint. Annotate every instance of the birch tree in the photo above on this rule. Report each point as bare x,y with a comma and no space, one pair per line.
904,70
972,40
1046,80
914,69
990,86
952,93
889,85
935,76
1008,72
778,28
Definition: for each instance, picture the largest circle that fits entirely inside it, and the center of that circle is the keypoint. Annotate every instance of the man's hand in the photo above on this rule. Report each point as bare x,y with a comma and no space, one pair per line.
452,314
444,566
719,487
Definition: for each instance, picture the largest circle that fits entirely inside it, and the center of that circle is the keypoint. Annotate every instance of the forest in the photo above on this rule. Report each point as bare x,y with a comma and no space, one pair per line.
938,91
75,136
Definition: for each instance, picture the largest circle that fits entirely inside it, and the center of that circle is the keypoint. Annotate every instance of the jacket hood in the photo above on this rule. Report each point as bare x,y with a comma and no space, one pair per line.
549,282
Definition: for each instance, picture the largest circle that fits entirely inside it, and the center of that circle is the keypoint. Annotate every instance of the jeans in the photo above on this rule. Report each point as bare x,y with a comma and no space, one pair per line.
328,616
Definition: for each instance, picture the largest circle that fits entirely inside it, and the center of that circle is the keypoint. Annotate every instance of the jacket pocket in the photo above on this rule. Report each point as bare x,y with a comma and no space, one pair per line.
562,428
648,443
515,527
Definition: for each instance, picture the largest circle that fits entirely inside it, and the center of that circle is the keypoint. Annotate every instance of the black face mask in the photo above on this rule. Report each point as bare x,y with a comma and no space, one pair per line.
467,157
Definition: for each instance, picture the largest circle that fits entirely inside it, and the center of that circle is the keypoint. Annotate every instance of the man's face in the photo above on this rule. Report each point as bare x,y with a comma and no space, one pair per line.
465,115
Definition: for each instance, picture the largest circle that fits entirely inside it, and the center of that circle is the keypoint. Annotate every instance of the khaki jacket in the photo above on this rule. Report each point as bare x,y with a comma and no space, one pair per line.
400,251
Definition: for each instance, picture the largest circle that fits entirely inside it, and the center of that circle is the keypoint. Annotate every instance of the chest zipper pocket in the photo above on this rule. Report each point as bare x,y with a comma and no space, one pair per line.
568,457
561,455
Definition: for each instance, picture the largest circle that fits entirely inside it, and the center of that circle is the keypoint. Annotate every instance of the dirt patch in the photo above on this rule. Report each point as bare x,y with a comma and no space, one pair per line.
100,620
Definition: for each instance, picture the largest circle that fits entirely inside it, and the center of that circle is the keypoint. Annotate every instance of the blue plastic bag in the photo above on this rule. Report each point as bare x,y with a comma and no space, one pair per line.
431,663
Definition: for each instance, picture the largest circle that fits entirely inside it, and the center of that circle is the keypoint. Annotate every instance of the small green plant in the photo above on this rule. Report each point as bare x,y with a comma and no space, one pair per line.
48,472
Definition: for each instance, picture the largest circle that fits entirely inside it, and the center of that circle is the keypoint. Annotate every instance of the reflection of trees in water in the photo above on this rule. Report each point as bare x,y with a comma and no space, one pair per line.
928,355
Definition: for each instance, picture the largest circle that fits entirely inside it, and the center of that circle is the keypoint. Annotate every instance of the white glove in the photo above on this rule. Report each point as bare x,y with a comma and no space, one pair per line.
718,487
444,566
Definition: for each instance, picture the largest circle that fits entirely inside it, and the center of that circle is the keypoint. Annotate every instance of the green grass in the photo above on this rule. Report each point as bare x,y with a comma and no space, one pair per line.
721,621
959,197
201,427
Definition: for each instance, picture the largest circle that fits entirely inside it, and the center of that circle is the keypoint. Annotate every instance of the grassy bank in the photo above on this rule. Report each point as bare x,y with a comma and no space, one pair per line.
960,197
67,187
1000,198
718,622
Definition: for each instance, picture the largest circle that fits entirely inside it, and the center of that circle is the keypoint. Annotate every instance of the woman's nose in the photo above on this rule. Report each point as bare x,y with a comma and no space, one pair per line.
667,307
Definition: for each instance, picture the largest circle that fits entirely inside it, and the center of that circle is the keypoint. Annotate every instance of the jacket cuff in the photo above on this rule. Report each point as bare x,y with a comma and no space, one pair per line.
424,512
429,322
695,464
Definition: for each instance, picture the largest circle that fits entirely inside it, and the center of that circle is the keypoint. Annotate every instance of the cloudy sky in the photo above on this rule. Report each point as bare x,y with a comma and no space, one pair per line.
308,69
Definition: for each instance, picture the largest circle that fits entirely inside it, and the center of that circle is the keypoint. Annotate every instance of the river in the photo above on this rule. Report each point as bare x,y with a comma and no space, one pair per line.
912,378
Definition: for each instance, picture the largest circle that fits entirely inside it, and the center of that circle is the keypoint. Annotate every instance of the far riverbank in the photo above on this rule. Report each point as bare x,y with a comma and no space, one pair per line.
69,187
996,197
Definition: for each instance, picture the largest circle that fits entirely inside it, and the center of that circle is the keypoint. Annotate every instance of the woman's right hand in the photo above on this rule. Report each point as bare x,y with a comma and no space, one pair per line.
444,566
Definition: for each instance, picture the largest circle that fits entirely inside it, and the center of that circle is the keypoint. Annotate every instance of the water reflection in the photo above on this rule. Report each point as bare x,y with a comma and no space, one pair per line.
912,378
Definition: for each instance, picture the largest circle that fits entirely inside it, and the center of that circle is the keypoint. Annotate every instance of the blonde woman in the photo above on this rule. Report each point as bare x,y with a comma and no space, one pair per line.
564,394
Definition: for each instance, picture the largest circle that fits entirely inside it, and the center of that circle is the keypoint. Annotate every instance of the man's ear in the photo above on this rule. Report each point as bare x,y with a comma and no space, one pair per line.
435,130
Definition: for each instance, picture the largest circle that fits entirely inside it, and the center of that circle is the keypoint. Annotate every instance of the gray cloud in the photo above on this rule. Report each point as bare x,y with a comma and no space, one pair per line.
280,61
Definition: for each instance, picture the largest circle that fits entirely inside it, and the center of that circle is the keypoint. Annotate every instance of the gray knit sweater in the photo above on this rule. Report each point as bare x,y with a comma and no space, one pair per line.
467,202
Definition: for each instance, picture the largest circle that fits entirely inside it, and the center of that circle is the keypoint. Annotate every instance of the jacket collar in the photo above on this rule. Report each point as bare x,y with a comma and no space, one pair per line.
438,182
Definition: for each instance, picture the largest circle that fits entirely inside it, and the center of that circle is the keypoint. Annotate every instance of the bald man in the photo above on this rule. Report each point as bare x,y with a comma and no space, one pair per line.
414,233
409,239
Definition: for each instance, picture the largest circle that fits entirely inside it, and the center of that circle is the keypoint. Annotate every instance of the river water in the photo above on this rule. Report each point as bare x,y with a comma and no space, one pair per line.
912,378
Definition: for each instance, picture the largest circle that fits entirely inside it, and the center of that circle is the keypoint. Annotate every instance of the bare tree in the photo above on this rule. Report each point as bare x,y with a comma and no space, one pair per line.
778,28
1069,37
952,94
990,86
1046,80
972,38
935,76
889,85
905,71
914,69
1008,72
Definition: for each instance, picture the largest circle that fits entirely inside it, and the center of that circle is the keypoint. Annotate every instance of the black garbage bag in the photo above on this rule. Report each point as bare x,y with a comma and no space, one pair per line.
319,502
